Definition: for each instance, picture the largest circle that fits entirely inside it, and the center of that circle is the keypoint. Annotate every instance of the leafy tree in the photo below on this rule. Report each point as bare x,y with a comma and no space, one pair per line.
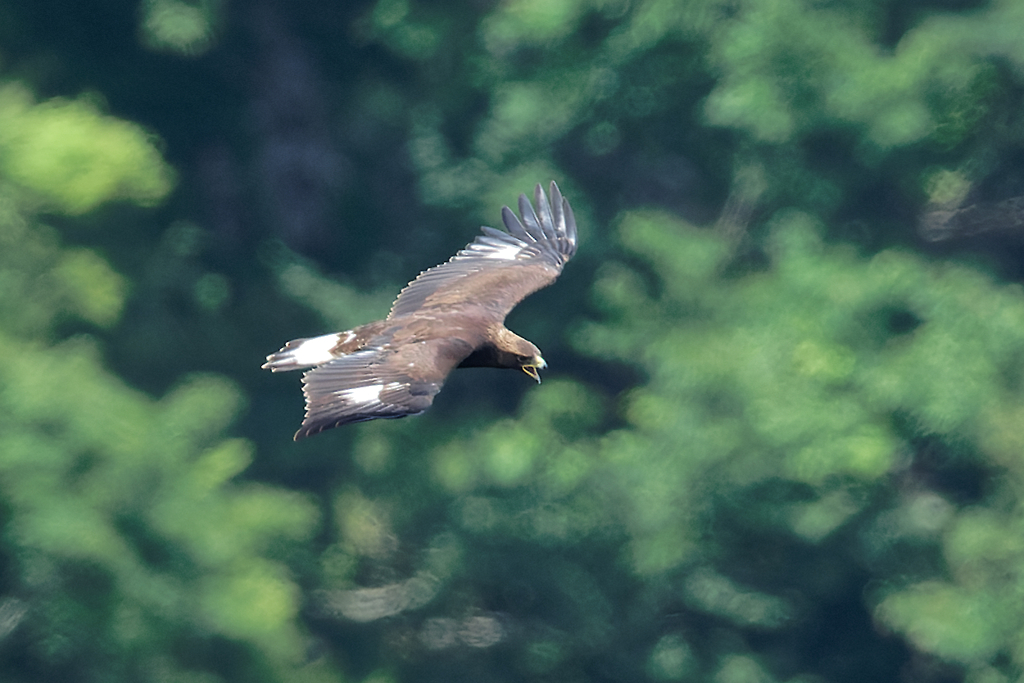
129,554
782,446
826,422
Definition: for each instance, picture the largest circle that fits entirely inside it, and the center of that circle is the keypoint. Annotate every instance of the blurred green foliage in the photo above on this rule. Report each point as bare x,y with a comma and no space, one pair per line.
73,157
112,560
781,436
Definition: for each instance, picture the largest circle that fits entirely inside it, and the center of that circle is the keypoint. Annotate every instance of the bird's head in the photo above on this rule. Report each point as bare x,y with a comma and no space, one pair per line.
532,365
513,351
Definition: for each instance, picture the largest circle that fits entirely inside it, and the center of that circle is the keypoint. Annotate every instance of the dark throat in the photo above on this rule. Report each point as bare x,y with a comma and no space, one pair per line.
489,356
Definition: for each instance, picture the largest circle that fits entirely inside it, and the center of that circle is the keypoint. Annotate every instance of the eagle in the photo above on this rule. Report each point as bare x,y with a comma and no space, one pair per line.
451,316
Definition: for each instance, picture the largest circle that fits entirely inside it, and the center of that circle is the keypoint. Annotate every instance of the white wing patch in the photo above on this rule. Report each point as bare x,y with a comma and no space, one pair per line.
505,252
367,394
503,247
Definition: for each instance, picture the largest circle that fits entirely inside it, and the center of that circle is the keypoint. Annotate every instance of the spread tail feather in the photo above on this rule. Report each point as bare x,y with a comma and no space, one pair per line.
308,352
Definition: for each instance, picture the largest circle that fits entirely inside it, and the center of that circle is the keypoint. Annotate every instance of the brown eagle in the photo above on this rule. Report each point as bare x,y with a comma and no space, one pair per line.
451,316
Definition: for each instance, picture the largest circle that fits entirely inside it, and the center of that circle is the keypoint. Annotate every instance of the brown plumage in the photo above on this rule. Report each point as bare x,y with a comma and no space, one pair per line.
452,315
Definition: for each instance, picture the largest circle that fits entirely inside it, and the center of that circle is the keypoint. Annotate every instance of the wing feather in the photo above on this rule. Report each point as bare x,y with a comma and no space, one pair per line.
499,269
369,384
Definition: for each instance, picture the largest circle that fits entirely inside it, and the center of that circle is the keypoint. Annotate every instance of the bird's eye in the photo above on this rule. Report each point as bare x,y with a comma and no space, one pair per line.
524,359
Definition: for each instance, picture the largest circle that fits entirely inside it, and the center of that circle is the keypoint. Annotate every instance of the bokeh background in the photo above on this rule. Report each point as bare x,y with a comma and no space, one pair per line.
782,434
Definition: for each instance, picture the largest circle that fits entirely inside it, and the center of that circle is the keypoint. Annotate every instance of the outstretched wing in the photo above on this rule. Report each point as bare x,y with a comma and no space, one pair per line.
499,269
388,381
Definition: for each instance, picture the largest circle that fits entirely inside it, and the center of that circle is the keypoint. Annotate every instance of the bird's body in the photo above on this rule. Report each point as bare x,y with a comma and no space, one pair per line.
450,316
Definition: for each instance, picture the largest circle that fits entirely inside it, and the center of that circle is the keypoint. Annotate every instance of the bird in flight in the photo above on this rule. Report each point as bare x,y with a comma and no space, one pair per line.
451,316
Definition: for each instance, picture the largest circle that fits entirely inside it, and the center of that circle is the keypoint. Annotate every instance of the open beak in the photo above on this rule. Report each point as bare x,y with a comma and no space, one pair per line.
533,369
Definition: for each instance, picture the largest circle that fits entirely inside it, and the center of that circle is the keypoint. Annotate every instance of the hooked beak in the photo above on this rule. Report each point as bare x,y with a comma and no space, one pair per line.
533,369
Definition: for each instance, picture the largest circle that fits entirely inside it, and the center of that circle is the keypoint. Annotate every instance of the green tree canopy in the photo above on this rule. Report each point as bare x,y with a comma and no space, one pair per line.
781,436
